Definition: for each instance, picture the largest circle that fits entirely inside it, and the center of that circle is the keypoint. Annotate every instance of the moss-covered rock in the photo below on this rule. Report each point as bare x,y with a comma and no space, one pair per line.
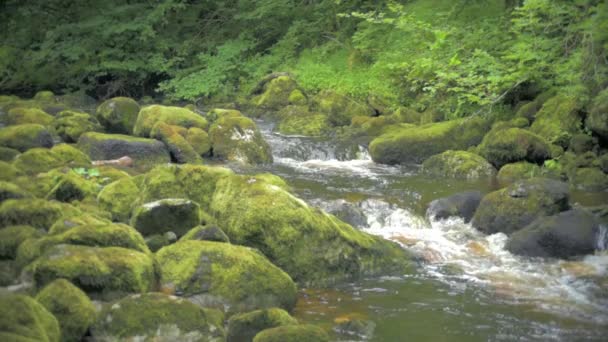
603,162
415,144
70,186
8,172
172,214
310,245
341,109
70,125
73,309
511,145
199,140
39,160
218,113
206,233
119,198
597,120
104,271
37,213
8,272
458,164
590,179
219,274
512,208
11,237
280,92
24,137
293,333
567,234
118,115
244,327
94,235
11,191
558,120
581,143
149,116
23,115
180,149
238,139
7,154
157,317
304,123
99,146
23,319
158,241
70,155
71,220
517,171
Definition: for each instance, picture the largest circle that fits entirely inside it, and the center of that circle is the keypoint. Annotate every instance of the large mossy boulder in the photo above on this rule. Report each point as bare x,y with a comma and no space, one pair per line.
9,172
11,191
119,198
222,275
296,120
70,186
458,164
70,125
24,137
244,327
99,271
177,215
558,120
567,234
11,237
118,115
199,140
340,109
238,139
37,160
180,149
99,146
413,144
517,171
157,317
590,179
23,319
293,333
7,154
37,213
597,120
279,92
23,115
206,233
73,309
462,204
503,146
149,116
512,208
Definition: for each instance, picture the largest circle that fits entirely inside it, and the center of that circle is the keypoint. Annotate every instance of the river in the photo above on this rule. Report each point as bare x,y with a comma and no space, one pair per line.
467,286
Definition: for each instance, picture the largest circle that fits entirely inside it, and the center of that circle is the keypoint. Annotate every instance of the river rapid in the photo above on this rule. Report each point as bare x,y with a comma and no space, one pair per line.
467,287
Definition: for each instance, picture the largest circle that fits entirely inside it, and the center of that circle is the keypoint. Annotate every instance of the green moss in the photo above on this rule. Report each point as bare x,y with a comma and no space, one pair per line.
106,271
293,333
341,109
24,137
516,171
311,246
24,319
71,220
308,125
8,154
118,198
557,120
37,160
458,164
276,93
11,237
73,309
8,272
206,233
590,179
71,186
118,115
37,213
501,147
172,214
8,172
219,274
244,327
149,116
597,120
158,241
408,115
199,140
238,139
581,143
512,208
44,96
22,115
297,97
180,149
157,317
218,113
70,125
414,144
70,155
99,146
11,191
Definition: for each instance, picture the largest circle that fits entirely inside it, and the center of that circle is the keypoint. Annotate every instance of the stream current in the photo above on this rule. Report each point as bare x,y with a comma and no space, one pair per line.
467,287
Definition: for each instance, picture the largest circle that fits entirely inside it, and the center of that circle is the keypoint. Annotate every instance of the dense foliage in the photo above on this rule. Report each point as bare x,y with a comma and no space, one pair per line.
456,56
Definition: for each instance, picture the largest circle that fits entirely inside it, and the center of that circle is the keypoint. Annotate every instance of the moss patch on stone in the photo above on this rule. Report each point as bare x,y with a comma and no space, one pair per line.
458,164
70,125
37,213
517,171
119,198
171,214
180,149
293,333
511,145
11,237
23,115
558,120
24,137
24,319
149,116
118,115
199,140
244,327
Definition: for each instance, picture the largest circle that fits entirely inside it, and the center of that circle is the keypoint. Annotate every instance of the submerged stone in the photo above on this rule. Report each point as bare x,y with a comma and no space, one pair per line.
293,333
462,205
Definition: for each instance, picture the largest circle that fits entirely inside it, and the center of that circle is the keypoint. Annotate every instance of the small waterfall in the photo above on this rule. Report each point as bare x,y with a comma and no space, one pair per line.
602,238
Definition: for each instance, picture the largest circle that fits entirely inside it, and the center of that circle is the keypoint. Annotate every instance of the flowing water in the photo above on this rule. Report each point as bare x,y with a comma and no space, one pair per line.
467,287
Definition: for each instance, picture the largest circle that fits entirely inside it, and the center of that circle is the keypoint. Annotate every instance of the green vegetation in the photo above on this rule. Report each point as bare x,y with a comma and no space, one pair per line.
24,319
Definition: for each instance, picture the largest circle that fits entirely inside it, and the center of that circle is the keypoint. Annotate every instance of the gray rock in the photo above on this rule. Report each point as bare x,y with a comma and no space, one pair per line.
462,204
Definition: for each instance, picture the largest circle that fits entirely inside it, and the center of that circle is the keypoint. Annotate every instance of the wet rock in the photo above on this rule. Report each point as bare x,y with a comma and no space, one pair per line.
225,276
293,333
567,234
512,208
238,139
24,319
157,317
356,328
462,205
518,171
244,327
99,146
172,214
458,164
118,115
347,212
24,137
